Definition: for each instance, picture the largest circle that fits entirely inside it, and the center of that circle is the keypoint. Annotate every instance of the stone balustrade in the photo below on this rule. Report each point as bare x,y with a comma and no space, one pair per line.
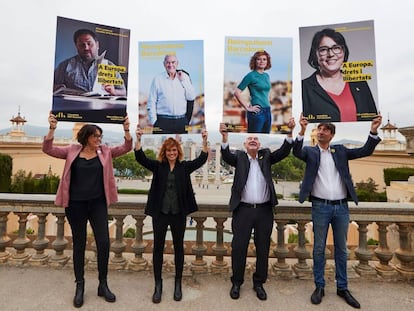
288,260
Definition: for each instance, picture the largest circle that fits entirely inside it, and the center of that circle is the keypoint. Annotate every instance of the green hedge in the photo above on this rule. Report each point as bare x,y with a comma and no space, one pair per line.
397,174
133,191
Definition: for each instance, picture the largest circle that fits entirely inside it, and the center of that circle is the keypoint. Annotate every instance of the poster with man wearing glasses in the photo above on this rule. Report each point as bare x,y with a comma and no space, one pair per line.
338,69
90,72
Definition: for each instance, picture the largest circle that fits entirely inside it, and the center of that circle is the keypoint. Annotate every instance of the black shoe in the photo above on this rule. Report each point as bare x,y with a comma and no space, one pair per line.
317,295
80,289
178,295
103,291
235,291
260,292
156,297
344,293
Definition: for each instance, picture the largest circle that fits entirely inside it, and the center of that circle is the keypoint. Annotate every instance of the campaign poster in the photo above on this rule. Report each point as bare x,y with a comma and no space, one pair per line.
90,80
338,72
257,91
171,87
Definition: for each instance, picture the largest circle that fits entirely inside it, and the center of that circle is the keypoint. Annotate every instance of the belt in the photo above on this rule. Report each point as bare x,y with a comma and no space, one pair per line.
328,202
167,116
254,205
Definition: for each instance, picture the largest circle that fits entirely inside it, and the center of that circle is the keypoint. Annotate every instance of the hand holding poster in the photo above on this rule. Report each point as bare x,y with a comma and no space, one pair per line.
88,86
339,72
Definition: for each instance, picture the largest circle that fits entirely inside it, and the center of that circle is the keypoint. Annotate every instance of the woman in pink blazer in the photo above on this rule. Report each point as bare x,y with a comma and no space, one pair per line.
86,189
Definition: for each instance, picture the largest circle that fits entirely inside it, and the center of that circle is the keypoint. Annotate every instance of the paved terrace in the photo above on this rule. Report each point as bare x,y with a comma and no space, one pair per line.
377,285
36,288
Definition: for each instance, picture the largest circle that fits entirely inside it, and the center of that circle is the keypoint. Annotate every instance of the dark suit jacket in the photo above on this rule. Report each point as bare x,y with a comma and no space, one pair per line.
182,171
240,161
341,155
317,102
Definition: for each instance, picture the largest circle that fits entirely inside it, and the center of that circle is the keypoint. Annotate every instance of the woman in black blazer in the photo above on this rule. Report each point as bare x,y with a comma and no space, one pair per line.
170,200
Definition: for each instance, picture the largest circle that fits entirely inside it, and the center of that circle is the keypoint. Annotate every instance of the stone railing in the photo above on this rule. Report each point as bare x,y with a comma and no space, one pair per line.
395,221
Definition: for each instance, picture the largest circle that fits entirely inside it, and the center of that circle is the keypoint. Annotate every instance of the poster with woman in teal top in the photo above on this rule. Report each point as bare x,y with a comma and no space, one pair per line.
259,100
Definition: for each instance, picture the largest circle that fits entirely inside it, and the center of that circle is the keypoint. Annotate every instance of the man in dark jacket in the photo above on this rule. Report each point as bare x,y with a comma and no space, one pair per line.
328,185
253,197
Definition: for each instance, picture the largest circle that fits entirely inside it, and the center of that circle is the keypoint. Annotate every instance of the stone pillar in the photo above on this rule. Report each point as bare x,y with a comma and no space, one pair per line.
301,268
199,265
118,262
408,133
60,243
21,242
383,253
280,268
4,239
41,243
405,252
138,263
363,254
219,265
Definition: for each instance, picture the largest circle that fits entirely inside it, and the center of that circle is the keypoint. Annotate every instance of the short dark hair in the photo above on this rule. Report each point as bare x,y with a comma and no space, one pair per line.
80,32
317,38
253,59
330,126
86,131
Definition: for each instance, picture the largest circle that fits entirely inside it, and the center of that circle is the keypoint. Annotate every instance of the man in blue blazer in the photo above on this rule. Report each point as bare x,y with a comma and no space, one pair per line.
328,185
253,197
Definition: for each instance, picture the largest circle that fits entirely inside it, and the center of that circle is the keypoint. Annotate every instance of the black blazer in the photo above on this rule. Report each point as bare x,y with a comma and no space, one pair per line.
240,161
316,102
182,171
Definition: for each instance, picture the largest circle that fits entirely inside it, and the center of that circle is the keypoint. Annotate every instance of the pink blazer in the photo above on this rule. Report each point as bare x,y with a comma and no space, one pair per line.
70,152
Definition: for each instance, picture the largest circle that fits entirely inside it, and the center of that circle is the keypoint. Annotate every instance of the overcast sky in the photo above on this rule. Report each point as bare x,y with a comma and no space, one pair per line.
29,30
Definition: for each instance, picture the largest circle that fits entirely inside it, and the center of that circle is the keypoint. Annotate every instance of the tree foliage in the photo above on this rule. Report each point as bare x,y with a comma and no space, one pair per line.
6,168
127,166
367,191
26,183
290,168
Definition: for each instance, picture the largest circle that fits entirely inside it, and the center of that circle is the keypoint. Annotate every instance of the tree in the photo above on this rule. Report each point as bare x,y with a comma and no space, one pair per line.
127,166
290,168
6,168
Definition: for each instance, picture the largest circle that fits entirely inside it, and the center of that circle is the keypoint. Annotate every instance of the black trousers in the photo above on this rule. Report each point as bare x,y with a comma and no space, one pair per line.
244,221
171,126
78,213
160,225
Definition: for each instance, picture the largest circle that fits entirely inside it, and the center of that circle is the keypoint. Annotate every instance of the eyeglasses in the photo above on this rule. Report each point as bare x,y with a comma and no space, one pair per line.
336,49
98,136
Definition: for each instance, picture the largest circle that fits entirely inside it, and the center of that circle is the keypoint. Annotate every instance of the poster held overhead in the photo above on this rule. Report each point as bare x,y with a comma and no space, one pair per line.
91,72
338,69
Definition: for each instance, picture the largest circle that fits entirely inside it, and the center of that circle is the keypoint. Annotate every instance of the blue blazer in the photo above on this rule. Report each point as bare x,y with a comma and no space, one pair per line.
340,154
240,161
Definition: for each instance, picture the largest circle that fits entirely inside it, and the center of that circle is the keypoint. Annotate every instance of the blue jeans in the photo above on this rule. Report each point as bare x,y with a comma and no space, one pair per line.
338,216
259,122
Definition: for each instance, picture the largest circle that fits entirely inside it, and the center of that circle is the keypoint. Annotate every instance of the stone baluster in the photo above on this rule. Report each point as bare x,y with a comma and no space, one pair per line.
21,242
118,246
60,243
405,252
199,265
41,242
138,263
363,254
301,268
4,239
384,254
219,250
280,268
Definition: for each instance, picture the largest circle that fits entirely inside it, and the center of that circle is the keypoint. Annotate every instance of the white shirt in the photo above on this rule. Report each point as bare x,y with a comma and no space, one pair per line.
169,96
328,183
256,189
